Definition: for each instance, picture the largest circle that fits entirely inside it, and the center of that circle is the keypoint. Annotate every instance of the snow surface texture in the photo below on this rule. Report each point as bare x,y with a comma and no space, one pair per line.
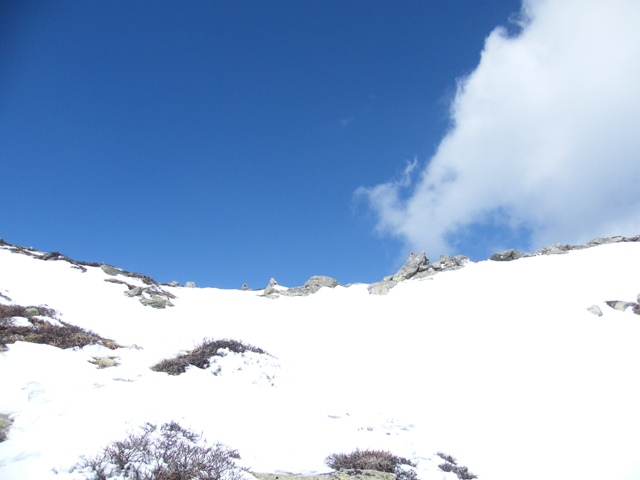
499,364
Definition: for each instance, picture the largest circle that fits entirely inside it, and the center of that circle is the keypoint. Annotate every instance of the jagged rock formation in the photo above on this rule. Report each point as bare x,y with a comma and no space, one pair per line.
417,266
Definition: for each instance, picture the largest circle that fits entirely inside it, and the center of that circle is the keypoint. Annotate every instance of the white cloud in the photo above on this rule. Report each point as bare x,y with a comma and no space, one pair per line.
545,136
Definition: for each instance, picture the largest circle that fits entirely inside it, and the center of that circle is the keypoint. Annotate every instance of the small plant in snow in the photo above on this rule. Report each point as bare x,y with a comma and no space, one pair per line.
451,465
168,453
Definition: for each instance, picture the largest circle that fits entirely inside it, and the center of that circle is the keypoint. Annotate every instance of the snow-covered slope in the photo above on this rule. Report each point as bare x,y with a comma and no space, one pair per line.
499,364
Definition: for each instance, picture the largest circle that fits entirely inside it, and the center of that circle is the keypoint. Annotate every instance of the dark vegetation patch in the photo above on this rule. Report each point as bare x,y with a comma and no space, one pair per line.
201,355
379,460
451,465
43,332
168,453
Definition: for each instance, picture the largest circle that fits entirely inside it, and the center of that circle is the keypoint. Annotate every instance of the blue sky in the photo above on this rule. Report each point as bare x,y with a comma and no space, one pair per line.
228,142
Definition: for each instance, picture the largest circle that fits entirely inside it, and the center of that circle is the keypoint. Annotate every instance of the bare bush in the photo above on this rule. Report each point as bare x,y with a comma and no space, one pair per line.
451,465
170,453
447,458
379,460
201,355
41,331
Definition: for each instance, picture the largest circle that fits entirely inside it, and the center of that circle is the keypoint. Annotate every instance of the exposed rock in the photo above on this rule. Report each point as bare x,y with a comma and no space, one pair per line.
105,362
416,262
508,255
245,287
595,310
620,305
382,287
156,301
133,292
52,256
110,270
272,282
604,241
445,263
312,285
31,312
5,424
190,285
336,475
554,249
271,292
173,283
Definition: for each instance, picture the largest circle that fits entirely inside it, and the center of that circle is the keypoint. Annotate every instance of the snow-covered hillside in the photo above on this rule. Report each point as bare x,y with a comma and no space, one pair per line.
499,364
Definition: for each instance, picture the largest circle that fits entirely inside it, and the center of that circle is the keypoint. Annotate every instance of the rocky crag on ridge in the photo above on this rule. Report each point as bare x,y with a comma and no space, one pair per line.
416,267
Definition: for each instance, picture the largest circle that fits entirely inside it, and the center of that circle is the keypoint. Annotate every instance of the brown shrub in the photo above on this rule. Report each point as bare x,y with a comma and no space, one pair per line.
172,453
41,331
201,355
379,460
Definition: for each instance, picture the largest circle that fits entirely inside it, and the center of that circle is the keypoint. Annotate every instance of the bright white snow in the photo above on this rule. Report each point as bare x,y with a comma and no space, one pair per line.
498,364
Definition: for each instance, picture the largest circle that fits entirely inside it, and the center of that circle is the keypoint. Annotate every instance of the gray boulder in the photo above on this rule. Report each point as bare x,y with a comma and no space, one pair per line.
620,305
312,285
31,312
110,270
417,262
382,287
133,292
156,301
595,310
508,255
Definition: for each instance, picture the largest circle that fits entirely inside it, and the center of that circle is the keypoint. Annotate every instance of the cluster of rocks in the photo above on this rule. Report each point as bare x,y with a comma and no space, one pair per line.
620,305
417,266
312,285
557,248
150,296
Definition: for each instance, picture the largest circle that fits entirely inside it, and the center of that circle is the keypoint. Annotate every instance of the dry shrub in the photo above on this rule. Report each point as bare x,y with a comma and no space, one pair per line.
41,331
451,465
170,453
201,355
379,460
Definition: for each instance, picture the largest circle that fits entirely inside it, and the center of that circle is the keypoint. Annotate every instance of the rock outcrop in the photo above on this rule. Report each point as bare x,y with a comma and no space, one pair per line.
509,255
417,266
557,248
622,305
151,296
312,285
